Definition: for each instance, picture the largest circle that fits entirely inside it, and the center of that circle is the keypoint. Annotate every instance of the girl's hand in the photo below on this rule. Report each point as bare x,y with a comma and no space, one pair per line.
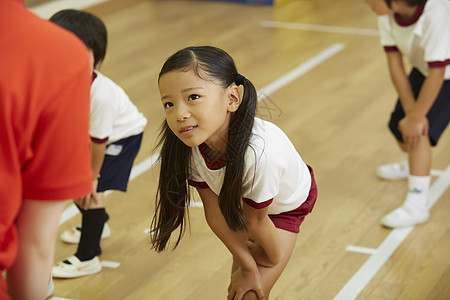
243,281
412,129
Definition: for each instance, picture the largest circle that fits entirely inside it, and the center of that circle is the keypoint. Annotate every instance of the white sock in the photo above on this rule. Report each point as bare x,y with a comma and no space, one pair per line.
418,191
405,163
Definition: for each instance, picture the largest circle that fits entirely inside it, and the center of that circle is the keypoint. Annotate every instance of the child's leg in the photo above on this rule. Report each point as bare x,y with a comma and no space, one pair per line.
420,158
400,170
414,210
93,221
269,276
85,261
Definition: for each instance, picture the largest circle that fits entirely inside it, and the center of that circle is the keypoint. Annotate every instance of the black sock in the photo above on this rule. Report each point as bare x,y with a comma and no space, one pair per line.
93,221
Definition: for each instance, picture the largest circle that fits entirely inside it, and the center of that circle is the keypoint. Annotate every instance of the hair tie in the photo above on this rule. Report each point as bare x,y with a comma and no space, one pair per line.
239,79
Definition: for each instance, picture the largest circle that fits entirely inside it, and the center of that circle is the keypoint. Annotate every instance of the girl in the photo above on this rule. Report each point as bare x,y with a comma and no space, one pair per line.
255,188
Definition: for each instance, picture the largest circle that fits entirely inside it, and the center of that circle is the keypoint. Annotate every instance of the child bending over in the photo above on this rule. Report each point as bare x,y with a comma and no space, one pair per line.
255,188
420,31
116,129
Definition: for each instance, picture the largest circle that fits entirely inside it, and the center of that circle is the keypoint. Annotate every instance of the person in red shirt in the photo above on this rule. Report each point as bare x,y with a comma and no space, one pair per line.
44,143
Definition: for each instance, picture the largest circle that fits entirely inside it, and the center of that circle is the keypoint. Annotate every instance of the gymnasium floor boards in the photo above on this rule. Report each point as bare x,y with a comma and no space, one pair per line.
334,108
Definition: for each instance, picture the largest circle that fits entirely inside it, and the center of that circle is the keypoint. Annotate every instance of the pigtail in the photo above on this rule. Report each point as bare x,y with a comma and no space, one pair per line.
173,192
239,133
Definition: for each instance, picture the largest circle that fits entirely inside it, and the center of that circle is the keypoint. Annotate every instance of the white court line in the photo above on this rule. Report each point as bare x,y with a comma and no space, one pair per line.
148,231
46,10
148,163
136,171
144,166
363,250
110,264
368,270
436,173
320,28
301,69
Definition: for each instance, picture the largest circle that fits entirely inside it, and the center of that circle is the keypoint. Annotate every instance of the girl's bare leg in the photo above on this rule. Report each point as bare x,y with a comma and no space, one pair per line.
269,276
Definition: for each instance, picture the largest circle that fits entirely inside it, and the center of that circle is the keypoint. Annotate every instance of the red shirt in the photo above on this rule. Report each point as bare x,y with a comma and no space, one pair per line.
44,118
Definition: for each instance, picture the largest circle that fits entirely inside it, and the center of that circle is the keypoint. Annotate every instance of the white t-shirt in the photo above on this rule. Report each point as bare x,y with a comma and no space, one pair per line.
273,170
424,39
113,115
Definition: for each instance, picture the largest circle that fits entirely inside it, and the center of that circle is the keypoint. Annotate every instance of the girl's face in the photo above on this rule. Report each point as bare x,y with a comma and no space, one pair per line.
198,110
379,7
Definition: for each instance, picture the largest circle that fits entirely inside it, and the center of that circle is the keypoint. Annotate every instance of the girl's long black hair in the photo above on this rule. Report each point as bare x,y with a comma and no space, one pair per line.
173,196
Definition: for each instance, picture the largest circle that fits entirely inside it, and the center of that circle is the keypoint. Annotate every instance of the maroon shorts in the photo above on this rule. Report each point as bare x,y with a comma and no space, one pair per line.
291,220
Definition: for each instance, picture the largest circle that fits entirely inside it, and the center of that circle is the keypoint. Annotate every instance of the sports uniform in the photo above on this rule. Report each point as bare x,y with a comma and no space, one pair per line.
44,119
116,121
425,40
274,176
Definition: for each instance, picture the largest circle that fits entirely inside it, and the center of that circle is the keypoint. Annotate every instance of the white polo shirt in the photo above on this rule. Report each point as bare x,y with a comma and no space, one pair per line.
424,39
113,115
275,174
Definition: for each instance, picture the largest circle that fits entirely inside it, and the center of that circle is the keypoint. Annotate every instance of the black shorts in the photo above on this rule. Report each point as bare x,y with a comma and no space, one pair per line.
116,167
438,116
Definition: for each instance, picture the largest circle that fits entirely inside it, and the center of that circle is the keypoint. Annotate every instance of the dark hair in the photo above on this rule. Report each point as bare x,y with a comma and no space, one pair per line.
409,2
173,191
88,27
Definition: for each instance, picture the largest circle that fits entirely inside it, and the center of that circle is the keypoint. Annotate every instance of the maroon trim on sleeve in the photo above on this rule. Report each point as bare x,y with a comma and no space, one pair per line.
94,75
439,64
198,185
99,141
257,205
413,19
391,49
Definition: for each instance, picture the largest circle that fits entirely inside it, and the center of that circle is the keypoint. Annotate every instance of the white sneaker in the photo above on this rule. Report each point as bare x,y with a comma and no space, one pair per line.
405,216
394,171
72,267
51,288
72,235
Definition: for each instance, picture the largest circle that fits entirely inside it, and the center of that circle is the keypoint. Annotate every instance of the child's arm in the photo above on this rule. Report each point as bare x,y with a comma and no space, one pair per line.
37,226
98,155
263,232
236,244
415,123
400,80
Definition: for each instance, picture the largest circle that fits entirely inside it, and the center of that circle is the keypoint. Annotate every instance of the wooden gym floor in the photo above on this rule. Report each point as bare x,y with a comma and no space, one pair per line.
323,79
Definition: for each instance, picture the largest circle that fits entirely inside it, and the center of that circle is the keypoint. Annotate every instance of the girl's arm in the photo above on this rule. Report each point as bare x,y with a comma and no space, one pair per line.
263,232
236,242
